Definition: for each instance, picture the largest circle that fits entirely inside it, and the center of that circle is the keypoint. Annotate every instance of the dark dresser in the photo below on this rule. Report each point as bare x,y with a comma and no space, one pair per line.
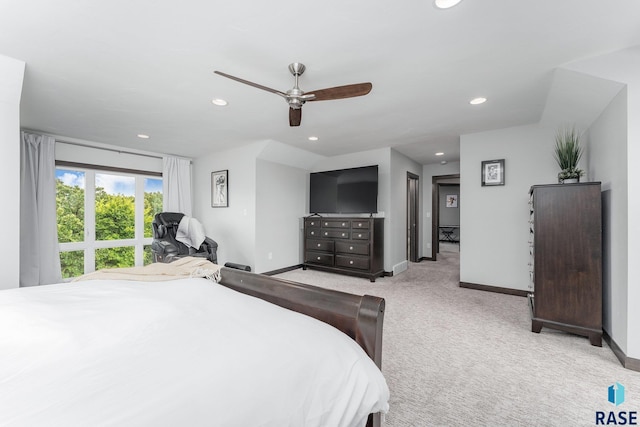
346,245
566,258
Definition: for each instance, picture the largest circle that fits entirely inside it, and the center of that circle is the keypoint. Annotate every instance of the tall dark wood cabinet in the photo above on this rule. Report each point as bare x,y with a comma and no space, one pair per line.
566,258
353,246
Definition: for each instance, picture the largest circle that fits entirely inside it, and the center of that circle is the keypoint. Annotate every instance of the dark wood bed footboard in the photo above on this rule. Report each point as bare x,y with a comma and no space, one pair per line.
360,317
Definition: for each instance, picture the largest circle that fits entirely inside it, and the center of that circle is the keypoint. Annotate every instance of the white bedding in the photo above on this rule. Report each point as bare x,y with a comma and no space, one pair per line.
186,352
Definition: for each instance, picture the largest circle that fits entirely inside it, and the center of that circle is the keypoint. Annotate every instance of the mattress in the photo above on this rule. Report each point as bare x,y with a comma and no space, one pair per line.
185,352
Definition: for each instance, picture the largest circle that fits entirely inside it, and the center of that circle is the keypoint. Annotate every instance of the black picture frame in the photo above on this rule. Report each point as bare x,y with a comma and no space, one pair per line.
492,172
220,189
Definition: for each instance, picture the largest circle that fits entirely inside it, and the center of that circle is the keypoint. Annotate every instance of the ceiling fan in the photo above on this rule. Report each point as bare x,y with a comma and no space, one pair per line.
296,98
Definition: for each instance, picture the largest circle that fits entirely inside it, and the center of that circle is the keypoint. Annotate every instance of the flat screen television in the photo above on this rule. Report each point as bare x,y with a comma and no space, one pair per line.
344,191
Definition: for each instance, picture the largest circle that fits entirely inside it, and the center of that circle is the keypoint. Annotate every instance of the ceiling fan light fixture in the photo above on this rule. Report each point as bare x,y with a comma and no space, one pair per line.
219,102
296,97
445,4
478,101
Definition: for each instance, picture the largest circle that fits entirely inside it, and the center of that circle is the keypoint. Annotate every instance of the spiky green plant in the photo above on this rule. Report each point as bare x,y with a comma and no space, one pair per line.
567,153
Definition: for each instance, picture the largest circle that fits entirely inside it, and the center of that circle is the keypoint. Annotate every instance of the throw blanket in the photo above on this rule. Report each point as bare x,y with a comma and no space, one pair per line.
158,272
190,232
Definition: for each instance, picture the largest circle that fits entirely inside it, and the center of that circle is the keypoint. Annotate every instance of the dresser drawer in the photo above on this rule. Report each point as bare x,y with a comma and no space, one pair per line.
335,234
352,248
318,258
348,261
312,222
314,232
360,235
359,224
320,245
332,223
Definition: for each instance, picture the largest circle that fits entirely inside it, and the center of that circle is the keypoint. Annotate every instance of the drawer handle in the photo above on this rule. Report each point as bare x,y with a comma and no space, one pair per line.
343,224
319,244
313,223
350,262
326,233
359,224
313,232
359,235
326,223
343,234
350,248
318,258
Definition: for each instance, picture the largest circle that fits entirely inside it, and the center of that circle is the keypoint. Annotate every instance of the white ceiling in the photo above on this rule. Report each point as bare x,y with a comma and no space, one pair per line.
107,71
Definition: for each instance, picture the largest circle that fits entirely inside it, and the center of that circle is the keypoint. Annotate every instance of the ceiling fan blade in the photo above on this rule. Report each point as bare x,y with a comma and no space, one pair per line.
295,116
340,92
247,82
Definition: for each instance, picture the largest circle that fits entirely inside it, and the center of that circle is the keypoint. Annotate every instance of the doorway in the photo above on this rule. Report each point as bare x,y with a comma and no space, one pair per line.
413,187
438,184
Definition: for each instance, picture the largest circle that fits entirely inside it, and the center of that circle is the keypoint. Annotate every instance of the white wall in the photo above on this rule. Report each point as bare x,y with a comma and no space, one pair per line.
281,201
494,250
267,199
232,227
397,218
428,172
607,142
11,77
623,66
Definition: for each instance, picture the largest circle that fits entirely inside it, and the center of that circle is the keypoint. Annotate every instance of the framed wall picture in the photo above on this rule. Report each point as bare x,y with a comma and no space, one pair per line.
220,189
452,201
493,172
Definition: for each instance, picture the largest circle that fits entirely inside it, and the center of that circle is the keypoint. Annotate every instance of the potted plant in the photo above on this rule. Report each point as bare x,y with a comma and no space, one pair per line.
568,153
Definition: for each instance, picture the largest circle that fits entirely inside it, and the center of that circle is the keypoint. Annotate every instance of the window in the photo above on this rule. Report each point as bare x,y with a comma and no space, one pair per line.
104,219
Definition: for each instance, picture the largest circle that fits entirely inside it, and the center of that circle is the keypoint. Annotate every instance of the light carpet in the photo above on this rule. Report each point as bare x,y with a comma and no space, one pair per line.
460,357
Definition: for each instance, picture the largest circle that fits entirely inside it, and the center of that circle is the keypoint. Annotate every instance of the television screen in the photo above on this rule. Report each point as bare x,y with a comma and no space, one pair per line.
344,191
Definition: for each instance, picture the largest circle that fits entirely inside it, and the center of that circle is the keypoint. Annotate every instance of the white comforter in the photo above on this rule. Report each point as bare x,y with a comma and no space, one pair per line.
187,352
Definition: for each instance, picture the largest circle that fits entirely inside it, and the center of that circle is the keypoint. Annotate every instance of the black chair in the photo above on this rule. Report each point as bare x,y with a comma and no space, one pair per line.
166,248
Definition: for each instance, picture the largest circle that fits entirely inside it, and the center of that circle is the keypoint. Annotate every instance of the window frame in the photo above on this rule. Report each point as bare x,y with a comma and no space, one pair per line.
90,244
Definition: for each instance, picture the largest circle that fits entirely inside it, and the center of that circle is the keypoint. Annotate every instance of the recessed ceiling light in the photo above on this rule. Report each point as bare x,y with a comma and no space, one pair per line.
143,136
313,138
476,101
440,154
446,4
444,162
219,102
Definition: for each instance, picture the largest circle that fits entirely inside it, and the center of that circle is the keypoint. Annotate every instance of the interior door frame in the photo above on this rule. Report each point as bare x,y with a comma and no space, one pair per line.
436,181
413,218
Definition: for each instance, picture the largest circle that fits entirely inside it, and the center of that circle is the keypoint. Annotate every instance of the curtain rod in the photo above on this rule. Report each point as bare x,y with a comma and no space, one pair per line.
115,150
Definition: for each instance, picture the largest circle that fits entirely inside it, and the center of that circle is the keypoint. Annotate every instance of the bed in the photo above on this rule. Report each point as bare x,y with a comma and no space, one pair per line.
242,349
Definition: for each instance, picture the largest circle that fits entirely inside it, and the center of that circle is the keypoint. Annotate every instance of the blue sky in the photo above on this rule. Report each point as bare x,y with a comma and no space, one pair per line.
113,184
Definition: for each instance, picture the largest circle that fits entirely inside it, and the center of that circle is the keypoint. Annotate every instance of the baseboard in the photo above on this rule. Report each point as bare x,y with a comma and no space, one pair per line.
496,289
627,362
282,270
